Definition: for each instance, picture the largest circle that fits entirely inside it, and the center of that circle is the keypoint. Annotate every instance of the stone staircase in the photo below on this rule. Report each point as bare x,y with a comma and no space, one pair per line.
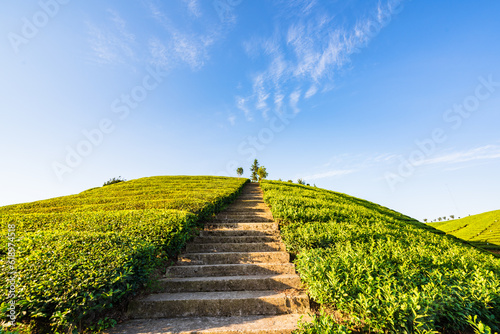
236,277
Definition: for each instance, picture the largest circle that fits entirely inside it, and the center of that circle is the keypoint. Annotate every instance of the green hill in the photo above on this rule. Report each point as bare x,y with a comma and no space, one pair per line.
372,269
482,230
369,268
71,258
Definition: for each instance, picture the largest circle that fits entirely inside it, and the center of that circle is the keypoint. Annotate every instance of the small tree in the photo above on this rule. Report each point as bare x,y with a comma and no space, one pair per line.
300,181
452,217
262,173
439,218
425,220
239,171
290,181
254,168
113,181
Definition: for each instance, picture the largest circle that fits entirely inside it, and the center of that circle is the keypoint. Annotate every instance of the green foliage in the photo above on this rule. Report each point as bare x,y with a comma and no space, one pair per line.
66,277
387,271
239,171
478,326
323,324
254,169
300,181
79,255
113,181
482,230
262,173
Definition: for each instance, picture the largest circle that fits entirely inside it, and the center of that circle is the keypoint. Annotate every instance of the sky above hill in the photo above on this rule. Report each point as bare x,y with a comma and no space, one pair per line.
396,102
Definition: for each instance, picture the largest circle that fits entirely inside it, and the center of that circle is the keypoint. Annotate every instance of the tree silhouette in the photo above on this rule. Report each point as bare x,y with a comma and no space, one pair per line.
239,171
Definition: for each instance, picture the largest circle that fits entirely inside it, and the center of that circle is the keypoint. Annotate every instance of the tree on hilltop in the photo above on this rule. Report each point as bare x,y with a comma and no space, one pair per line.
262,173
239,171
255,168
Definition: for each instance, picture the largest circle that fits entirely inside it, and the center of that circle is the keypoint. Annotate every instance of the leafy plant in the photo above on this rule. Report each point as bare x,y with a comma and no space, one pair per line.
254,169
390,272
79,255
262,173
113,181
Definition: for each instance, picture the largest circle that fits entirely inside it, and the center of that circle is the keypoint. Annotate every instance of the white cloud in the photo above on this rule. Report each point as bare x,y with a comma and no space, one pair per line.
278,101
294,100
193,7
309,49
187,46
311,91
487,152
241,103
111,43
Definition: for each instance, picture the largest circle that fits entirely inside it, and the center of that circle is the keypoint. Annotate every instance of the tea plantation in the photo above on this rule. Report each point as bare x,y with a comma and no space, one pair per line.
482,230
70,258
375,270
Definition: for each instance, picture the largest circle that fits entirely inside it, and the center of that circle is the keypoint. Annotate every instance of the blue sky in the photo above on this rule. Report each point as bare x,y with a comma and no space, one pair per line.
396,102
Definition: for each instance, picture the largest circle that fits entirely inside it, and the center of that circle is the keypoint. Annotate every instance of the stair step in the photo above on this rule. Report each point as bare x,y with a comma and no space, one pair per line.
234,210
255,324
242,226
239,233
235,247
230,283
236,239
233,258
233,303
241,219
231,270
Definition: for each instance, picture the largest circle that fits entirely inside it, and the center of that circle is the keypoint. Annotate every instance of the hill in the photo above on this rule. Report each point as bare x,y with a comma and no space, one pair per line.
482,230
71,258
372,269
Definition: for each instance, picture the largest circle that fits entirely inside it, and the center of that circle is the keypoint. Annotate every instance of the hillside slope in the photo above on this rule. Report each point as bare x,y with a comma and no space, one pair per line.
482,230
71,258
376,270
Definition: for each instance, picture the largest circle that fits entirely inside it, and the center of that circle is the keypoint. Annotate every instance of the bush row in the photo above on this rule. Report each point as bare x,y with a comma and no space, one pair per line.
380,270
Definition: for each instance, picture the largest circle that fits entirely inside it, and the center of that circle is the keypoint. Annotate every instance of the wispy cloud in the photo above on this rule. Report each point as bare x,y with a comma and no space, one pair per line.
193,7
487,152
294,100
241,103
111,43
188,46
308,49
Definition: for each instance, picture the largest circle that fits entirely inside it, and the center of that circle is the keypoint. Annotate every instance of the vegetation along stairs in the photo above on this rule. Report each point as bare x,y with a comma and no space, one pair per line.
236,277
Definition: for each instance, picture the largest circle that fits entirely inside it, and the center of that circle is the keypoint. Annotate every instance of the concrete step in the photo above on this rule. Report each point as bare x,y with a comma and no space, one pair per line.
255,324
235,247
217,270
238,233
241,219
236,239
234,210
232,258
230,283
232,303
242,226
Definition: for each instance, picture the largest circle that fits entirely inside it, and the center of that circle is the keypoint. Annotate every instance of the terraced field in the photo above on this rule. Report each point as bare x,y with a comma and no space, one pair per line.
375,270
71,258
482,230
